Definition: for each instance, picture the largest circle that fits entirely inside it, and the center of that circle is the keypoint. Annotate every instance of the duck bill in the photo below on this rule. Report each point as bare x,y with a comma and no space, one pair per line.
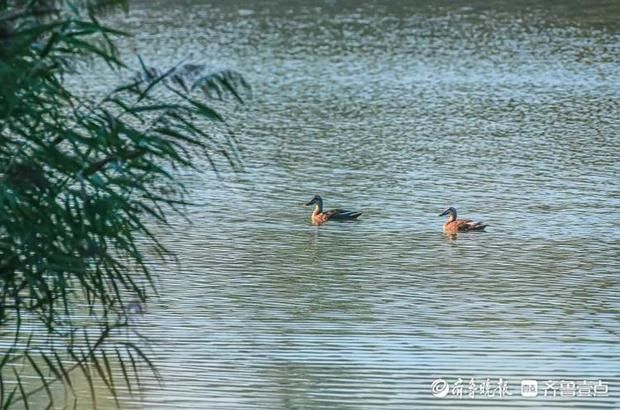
309,203
444,213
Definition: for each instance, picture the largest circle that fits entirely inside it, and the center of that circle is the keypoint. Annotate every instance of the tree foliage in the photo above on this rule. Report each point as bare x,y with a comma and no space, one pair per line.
83,181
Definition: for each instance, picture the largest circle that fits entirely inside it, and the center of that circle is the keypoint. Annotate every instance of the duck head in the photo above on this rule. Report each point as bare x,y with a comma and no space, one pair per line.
450,211
317,201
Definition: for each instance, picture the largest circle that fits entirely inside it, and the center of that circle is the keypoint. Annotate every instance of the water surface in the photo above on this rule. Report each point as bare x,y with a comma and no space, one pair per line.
509,112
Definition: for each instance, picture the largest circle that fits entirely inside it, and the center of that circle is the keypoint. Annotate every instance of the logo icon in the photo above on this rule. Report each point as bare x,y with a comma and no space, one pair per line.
440,388
529,388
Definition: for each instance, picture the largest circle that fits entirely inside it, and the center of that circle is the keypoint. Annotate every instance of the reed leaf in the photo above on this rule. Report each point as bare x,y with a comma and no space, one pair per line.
80,195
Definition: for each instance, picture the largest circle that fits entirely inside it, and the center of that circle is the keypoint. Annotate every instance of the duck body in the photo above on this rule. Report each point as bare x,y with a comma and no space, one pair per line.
454,225
319,216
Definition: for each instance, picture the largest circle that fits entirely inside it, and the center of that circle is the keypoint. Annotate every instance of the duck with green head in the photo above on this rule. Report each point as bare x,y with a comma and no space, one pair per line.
453,225
319,216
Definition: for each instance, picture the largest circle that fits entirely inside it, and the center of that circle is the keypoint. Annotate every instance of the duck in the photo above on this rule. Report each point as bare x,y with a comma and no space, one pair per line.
453,225
319,216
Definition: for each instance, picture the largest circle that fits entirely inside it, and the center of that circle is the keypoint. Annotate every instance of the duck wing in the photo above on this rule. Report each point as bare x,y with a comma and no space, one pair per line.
341,214
465,225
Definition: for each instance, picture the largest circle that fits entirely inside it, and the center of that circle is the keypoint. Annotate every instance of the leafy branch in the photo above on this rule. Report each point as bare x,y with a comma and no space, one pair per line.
81,192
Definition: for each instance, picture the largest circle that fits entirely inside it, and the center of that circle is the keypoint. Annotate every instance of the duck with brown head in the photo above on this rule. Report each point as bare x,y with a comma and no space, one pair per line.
319,216
453,225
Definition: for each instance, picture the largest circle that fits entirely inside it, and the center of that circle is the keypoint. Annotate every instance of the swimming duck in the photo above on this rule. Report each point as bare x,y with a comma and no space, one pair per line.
319,217
453,225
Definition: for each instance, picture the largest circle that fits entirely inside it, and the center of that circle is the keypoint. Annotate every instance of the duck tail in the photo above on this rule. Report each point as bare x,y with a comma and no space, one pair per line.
350,214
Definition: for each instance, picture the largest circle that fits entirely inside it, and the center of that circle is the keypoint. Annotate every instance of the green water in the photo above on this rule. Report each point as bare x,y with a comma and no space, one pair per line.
508,111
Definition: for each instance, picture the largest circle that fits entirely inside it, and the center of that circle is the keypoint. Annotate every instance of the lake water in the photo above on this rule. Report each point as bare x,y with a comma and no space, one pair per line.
508,111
